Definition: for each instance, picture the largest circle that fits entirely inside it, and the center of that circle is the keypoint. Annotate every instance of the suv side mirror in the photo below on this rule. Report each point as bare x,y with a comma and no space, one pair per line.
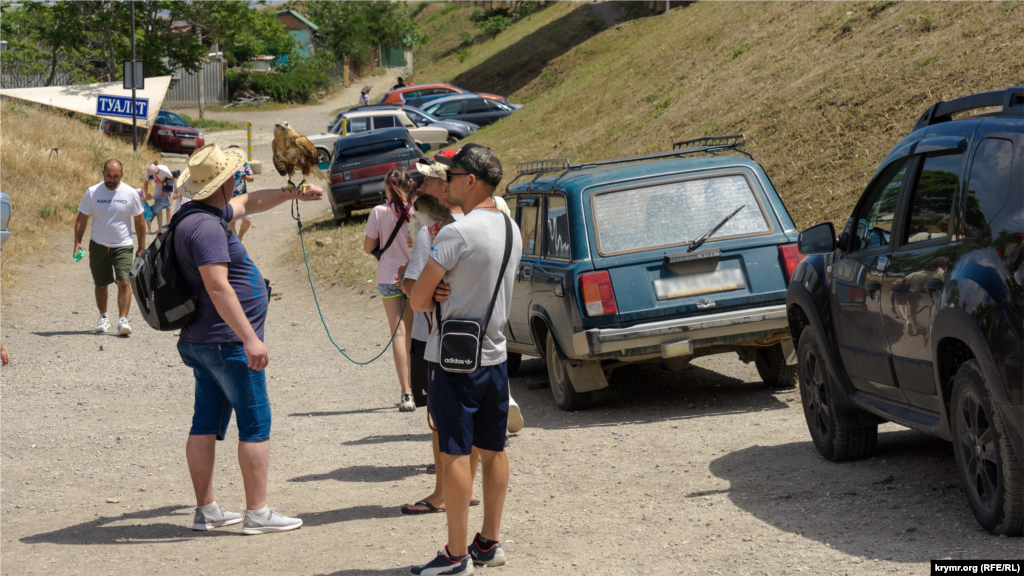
820,239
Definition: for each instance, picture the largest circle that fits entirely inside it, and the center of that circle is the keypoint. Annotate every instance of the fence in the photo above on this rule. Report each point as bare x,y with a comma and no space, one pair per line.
184,90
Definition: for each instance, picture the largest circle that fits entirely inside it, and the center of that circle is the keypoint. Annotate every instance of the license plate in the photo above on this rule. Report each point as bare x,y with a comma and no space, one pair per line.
696,284
372,187
187,143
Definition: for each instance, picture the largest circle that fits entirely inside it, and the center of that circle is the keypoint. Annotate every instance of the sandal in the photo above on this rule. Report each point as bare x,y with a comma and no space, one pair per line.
430,508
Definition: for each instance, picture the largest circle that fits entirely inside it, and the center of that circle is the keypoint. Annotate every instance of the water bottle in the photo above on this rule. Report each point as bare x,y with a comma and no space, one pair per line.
79,255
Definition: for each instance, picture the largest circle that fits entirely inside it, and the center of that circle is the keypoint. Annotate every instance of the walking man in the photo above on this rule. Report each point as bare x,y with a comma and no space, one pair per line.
224,344
471,409
113,206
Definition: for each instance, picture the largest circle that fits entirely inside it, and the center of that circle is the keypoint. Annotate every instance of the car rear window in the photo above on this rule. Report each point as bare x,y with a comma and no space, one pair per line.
675,213
371,149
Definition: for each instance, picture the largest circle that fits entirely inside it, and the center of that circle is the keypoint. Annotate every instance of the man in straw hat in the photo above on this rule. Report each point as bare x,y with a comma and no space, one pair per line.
224,344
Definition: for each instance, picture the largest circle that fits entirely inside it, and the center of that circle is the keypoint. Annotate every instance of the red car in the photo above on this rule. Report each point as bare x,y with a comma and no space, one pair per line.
419,94
171,133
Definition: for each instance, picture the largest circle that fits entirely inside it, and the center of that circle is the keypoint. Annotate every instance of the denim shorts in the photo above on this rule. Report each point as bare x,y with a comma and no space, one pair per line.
469,409
225,383
160,203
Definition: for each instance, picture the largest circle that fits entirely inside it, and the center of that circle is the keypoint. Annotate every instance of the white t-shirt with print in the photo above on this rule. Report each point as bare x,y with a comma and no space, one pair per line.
112,212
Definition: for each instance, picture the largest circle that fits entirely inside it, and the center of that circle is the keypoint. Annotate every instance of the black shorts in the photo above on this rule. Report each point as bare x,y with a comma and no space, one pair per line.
470,409
419,373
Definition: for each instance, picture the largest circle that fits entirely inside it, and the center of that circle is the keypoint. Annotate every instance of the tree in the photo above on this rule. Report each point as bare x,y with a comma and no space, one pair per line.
352,28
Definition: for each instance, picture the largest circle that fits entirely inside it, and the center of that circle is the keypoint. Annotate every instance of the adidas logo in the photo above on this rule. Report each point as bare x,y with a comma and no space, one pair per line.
457,361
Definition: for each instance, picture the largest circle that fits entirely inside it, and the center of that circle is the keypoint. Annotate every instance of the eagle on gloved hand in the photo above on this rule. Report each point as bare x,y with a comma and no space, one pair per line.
294,151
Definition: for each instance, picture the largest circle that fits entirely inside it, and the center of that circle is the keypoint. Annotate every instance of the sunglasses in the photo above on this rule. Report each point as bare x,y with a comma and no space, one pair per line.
449,175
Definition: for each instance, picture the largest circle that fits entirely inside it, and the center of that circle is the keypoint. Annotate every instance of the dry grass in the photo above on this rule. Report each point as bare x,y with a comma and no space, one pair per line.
342,261
822,90
45,193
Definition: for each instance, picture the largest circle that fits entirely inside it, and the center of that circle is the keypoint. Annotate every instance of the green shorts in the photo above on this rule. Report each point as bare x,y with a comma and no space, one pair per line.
108,264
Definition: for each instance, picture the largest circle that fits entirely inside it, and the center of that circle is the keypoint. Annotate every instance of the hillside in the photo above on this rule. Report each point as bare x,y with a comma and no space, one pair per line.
822,90
45,192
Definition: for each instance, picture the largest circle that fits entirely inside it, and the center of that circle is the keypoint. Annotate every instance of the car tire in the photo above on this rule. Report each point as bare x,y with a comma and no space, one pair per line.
992,477
513,362
322,156
565,395
342,215
452,140
771,366
832,440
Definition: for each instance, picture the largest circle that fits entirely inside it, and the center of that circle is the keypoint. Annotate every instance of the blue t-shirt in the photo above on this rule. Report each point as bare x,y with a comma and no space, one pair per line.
199,240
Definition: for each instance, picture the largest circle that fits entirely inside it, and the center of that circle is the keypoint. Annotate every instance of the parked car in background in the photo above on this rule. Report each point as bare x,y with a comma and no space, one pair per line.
419,94
457,130
658,259
170,133
359,163
470,108
427,137
5,218
916,314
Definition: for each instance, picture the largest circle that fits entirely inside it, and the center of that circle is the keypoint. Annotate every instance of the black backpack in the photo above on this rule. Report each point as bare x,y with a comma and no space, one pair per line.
160,291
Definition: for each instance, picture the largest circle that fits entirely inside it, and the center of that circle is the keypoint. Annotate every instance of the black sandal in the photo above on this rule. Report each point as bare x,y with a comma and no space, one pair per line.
431,509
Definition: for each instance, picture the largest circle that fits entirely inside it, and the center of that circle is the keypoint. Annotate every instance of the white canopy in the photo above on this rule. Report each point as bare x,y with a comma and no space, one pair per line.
84,98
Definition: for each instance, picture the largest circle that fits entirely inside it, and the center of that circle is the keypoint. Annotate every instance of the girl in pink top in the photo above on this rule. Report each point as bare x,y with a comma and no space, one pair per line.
382,224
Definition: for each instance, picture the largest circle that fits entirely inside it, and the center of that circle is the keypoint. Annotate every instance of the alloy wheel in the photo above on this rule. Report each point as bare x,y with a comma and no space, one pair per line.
978,449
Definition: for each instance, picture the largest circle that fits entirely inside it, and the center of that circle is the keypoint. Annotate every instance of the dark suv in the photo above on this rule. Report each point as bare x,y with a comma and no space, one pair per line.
359,163
915,315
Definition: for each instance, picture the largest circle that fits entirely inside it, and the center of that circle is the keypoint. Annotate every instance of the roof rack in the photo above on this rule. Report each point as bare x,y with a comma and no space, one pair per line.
1011,99
733,141
710,145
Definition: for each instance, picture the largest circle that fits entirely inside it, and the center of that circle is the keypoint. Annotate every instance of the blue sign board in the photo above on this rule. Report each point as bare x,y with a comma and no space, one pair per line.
121,106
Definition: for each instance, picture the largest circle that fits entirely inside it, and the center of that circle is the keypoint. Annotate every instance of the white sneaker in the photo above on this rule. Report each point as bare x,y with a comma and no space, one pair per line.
103,325
515,416
214,516
123,329
407,404
266,520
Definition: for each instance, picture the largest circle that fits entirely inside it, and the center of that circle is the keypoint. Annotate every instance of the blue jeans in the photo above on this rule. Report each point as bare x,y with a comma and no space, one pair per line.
224,383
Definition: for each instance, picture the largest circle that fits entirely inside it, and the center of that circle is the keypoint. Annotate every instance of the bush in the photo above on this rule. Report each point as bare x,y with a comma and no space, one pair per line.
495,25
295,82
462,53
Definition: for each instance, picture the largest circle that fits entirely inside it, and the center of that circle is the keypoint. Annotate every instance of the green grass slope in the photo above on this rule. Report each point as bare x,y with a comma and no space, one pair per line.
822,90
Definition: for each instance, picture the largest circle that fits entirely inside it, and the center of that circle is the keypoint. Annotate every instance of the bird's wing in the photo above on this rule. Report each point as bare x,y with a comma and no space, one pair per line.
309,153
279,163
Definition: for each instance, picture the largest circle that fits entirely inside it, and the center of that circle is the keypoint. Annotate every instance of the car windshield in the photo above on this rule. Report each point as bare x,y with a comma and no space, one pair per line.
675,213
171,119
371,149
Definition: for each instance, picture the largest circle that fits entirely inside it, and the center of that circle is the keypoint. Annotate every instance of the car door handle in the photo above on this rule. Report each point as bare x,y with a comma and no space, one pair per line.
933,285
873,286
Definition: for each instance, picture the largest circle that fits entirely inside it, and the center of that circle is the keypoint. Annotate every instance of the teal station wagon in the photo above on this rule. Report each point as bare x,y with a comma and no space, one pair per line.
658,258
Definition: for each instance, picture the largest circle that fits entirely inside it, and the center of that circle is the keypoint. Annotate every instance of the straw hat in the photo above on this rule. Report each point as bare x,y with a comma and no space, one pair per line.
208,168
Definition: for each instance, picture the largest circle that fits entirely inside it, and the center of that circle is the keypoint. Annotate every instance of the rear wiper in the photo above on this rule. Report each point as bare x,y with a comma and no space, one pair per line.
700,240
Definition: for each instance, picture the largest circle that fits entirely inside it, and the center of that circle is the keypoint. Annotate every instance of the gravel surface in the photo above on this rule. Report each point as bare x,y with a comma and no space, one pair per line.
702,471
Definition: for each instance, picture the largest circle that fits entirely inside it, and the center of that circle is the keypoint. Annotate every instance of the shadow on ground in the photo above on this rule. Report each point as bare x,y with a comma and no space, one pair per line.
363,474
893,506
517,65
644,393
342,412
129,529
385,438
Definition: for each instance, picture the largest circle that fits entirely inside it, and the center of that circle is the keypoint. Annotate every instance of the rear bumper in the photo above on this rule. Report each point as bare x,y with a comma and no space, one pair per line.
646,340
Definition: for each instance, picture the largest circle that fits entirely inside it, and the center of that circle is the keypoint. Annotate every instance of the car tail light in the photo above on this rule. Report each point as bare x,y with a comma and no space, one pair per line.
348,175
412,163
335,178
165,133
790,258
598,296
374,170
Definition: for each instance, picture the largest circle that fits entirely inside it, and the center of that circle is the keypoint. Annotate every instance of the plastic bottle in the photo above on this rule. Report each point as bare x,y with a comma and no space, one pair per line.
79,255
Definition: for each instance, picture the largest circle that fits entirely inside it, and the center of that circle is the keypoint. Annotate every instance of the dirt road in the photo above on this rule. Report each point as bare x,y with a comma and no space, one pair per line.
702,471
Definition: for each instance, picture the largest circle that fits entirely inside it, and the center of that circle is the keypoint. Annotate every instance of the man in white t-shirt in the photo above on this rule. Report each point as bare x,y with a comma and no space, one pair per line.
112,205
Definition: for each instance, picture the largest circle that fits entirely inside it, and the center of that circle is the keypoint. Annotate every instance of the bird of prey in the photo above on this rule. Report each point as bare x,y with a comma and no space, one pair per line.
294,151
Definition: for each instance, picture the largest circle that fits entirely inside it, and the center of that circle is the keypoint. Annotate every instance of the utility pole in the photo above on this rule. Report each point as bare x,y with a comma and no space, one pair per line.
135,136
666,9
202,84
